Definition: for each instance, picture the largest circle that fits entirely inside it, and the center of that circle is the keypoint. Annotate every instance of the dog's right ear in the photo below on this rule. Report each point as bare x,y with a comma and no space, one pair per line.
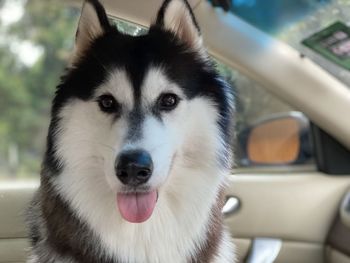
93,23
177,17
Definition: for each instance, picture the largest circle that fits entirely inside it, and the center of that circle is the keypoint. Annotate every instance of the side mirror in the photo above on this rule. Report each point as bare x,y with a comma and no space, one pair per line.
278,140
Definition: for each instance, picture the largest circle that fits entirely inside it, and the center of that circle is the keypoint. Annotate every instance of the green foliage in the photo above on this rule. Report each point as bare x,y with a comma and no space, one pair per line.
26,91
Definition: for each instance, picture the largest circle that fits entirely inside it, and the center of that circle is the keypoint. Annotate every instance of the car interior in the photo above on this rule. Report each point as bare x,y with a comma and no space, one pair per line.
288,200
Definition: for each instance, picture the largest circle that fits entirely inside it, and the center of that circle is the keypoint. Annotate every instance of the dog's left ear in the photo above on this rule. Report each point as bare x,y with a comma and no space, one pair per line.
177,17
93,23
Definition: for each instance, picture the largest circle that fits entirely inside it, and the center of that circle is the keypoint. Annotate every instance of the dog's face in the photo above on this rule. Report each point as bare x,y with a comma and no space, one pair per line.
139,113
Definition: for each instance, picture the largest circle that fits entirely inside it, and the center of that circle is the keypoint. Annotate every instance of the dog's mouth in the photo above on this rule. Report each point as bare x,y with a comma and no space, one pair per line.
137,207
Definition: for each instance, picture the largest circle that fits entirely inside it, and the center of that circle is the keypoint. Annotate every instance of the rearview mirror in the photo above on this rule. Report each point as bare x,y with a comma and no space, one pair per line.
278,140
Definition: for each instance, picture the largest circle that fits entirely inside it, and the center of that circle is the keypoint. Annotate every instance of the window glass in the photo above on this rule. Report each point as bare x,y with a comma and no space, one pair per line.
36,38
253,101
268,126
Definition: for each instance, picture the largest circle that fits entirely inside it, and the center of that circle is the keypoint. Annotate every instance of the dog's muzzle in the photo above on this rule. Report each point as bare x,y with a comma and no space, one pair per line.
134,167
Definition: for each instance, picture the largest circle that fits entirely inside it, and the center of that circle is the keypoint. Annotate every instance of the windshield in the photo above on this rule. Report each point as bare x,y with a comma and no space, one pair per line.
292,21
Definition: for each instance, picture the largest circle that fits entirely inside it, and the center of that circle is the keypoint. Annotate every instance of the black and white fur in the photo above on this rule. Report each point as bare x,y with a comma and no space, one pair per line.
73,217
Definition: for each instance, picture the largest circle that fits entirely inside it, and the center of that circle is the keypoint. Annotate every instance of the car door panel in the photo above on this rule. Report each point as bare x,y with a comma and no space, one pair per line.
335,256
243,245
13,250
298,208
14,199
300,252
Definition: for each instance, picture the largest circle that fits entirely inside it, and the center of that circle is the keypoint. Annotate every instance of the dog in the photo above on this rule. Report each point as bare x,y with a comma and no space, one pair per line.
138,148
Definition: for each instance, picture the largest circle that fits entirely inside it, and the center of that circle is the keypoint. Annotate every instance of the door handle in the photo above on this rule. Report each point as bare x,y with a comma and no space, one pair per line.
264,250
231,206
345,210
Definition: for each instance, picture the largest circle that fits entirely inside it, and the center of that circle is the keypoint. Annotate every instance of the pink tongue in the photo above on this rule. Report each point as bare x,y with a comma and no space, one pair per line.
137,207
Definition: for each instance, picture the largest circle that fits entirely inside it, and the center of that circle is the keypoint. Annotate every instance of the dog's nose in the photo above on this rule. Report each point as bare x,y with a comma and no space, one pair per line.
134,167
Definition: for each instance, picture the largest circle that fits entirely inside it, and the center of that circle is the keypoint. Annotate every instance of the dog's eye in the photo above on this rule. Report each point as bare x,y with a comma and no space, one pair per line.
108,104
168,101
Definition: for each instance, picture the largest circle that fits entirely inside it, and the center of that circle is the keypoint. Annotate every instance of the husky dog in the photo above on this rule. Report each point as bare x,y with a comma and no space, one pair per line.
138,148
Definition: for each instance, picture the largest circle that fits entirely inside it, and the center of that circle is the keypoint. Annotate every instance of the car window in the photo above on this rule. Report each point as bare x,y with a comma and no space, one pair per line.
259,111
34,50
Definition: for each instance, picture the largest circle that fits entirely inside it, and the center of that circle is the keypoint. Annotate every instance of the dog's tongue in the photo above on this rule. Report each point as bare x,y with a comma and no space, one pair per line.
137,207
